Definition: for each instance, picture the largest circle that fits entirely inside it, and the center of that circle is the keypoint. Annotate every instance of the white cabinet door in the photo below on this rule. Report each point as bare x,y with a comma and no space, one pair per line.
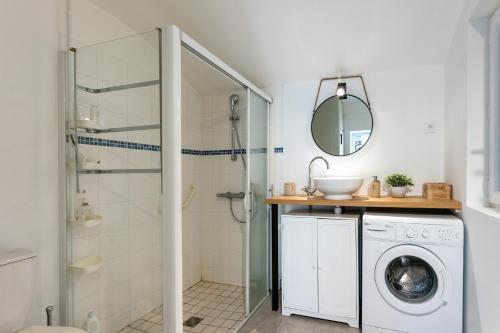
337,267
300,275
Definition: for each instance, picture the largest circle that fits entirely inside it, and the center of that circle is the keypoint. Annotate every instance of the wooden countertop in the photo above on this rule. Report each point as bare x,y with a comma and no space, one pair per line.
365,201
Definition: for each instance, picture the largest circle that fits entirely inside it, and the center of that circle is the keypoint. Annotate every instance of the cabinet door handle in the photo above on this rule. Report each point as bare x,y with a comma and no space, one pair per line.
313,267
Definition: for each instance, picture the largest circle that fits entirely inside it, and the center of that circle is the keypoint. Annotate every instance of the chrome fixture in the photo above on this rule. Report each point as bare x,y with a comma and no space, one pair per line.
120,87
235,137
309,189
342,90
240,196
49,311
231,195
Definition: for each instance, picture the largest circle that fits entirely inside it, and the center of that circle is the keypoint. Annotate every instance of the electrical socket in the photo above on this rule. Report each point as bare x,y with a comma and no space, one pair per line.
430,127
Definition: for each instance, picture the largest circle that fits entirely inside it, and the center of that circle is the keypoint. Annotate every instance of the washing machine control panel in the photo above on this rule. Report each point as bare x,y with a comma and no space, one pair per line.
425,233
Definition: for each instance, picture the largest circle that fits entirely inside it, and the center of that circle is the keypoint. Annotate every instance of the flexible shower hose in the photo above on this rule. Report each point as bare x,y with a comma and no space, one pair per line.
232,211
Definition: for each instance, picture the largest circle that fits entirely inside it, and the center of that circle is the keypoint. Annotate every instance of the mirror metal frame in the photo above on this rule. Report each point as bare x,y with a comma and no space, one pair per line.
338,78
371,131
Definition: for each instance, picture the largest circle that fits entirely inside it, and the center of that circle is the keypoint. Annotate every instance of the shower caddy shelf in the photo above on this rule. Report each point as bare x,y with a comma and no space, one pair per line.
87,265
119,87
80,171
95,221
111,171
119,129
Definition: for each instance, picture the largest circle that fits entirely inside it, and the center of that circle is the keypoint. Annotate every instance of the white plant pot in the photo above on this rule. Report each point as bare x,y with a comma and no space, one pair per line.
398,192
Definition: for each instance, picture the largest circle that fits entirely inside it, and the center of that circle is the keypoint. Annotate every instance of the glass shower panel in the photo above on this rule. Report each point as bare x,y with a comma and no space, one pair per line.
257,228
213,138
113,251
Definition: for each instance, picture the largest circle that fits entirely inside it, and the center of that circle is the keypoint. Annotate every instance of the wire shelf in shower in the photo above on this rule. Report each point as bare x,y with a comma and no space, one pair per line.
119,87
117,171
119,129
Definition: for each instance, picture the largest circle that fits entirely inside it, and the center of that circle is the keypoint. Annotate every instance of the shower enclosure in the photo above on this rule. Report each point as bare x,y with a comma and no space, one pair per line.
166,173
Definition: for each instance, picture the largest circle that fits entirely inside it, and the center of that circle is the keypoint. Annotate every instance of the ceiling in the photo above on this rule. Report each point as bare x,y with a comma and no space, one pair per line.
272,42
205,79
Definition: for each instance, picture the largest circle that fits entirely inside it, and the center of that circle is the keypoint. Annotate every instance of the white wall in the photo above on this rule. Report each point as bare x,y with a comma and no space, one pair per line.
30,97
455,113
91,24
465,85
29,139
402,102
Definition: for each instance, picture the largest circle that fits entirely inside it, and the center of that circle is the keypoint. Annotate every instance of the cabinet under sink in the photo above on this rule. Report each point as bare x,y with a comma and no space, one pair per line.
320,266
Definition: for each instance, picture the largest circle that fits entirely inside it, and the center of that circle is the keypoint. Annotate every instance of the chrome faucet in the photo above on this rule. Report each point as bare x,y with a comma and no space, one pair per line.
310,164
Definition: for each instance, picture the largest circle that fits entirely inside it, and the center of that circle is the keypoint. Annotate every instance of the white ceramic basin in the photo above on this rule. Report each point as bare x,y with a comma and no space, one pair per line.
338,188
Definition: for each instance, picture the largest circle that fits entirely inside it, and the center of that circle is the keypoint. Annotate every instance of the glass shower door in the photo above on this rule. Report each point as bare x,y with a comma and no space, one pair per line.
257,216
114,266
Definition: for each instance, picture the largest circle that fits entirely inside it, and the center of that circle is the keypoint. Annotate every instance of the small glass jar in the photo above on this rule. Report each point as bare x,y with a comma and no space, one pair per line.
84,212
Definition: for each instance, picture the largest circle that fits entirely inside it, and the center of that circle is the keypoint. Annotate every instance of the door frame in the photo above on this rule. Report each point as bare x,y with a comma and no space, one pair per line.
247,204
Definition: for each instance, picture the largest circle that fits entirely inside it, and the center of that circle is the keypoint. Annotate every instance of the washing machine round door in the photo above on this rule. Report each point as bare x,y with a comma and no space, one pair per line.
412,279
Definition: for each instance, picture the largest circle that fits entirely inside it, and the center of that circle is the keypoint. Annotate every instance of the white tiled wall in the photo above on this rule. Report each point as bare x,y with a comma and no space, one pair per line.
212,239
129,283
191,166
222,236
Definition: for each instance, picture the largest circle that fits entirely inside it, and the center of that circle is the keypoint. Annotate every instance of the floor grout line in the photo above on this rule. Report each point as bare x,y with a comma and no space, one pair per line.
220,307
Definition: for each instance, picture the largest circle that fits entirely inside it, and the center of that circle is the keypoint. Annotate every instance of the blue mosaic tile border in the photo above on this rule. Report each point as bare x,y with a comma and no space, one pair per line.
186,151
84,140
222,151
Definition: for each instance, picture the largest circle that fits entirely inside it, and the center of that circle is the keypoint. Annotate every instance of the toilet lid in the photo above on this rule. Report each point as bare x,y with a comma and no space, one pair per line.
51,329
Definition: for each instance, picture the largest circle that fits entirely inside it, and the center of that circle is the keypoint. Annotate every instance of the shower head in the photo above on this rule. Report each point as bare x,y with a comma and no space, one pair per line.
234,99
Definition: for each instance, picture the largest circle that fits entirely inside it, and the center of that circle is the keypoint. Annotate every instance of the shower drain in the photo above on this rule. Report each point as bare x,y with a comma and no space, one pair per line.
192,321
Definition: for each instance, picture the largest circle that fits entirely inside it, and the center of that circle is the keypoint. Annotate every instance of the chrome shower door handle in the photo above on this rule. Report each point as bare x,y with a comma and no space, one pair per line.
251,194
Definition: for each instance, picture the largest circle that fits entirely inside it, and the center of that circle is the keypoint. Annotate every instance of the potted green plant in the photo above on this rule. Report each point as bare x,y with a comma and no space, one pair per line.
398,185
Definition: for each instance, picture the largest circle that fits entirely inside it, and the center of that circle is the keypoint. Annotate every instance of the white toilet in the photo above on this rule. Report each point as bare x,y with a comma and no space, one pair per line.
16,287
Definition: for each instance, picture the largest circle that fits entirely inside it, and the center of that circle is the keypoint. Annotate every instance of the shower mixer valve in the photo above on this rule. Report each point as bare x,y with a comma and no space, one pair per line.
231,195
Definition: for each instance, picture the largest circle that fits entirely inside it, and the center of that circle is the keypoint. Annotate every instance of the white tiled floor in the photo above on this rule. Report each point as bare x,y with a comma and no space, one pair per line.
221,307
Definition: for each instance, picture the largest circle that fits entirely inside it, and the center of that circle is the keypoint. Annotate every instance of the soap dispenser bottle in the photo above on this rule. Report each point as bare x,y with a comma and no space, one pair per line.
374,188
84,210
92,324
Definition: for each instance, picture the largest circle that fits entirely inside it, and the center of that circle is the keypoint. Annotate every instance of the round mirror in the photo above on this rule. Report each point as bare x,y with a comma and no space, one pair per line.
342,126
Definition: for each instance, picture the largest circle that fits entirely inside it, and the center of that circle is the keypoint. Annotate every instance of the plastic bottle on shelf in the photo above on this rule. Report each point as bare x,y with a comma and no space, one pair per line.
94,115
84,210
374,188
83,112
92,324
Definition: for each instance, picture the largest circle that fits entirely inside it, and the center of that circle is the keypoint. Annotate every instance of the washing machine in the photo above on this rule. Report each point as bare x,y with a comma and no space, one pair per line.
412,277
